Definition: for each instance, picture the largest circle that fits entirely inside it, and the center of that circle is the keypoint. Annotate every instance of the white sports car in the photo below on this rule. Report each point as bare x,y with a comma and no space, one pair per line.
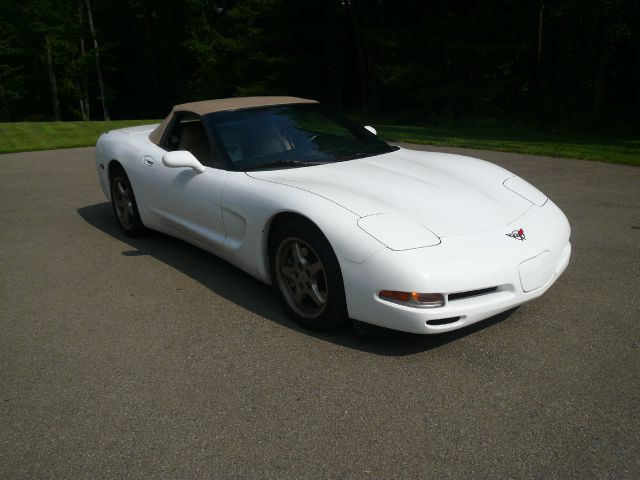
341,223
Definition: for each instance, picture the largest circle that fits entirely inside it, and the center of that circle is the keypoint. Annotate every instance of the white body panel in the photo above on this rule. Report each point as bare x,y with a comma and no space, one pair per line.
405,221
448,194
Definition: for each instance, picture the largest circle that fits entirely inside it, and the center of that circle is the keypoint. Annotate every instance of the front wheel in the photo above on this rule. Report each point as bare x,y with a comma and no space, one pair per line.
124,205
306,273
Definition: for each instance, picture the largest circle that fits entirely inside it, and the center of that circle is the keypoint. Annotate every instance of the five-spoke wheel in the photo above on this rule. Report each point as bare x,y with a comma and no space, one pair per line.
306,272
301,277
124,204
122,200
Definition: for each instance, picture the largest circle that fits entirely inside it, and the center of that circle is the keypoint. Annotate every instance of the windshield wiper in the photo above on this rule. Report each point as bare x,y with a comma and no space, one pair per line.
281,163
357,155
366,154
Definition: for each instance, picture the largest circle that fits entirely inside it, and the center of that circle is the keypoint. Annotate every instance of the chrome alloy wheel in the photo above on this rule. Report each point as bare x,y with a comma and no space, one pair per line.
123,202
301,277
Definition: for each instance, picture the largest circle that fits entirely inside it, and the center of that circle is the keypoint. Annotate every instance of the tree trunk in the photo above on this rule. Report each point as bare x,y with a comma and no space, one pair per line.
338,90
539,52
361,47
98,69
152,63
78,88
602,76
52,81
84,80
84,87
178,88
4,107
371,22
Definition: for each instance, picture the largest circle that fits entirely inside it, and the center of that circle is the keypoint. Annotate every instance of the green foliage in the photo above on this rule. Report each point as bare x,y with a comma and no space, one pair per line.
417,60
27,28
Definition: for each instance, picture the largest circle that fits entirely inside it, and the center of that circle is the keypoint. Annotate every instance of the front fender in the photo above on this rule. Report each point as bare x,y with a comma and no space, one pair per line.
249,205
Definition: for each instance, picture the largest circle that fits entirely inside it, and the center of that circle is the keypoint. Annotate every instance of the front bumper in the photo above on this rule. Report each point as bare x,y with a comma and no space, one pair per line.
514,271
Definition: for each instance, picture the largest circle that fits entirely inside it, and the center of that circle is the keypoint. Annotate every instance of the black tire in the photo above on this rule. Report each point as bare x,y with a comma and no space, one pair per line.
324,284
123,202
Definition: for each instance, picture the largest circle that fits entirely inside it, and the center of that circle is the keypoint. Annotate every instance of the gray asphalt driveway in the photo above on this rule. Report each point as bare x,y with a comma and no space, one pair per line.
149,358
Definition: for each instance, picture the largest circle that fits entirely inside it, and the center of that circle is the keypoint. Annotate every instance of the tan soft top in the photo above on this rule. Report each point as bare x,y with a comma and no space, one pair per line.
220,105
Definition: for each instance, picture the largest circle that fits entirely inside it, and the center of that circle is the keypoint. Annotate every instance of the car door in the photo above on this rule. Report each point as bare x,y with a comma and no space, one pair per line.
183,202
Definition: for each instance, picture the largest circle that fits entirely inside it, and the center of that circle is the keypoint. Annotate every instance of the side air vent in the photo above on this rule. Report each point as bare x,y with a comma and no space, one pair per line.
472,293
443,321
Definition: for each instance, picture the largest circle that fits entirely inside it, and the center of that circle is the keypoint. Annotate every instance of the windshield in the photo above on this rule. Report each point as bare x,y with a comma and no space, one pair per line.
290,136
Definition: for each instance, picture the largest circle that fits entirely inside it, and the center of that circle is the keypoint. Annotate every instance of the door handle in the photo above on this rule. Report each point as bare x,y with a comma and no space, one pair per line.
147,160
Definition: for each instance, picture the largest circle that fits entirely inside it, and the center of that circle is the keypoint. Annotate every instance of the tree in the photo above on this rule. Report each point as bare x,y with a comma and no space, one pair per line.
97,54
416,59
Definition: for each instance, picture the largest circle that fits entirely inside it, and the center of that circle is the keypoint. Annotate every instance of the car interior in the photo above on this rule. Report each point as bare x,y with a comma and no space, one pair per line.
247,140
242,141
256,138
188,133
194,139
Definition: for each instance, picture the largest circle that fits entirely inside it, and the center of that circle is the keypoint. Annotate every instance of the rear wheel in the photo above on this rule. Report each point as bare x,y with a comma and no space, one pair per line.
306,273
124,204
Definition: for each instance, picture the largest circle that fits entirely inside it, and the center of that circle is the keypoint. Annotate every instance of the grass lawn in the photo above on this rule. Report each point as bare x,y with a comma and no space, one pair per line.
25,136
28,136
583,146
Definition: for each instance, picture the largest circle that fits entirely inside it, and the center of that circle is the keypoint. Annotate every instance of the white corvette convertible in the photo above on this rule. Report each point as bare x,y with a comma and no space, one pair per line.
338,221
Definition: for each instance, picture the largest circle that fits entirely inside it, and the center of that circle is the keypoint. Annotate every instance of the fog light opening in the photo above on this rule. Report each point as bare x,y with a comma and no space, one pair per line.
413,299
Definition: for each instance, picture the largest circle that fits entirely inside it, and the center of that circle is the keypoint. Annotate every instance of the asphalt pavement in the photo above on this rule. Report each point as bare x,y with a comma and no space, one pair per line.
150,358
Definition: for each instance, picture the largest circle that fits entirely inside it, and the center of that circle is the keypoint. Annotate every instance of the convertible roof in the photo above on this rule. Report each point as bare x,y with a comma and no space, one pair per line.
223,104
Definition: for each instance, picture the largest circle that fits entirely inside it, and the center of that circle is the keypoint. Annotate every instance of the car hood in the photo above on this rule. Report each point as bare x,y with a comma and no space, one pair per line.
448,194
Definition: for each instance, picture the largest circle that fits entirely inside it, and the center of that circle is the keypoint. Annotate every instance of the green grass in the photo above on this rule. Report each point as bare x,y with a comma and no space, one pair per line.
26,136
611,149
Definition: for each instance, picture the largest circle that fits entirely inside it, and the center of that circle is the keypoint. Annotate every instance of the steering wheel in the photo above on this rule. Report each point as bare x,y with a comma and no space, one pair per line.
316,136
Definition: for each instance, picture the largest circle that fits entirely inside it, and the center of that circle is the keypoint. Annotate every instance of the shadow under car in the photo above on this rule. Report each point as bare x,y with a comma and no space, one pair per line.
245,291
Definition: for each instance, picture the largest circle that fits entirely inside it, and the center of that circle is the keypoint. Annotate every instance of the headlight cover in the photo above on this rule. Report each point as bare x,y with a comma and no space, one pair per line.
526,190
398,232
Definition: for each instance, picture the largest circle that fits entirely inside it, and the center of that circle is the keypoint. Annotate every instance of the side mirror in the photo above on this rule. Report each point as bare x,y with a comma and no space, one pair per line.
182,159
371,129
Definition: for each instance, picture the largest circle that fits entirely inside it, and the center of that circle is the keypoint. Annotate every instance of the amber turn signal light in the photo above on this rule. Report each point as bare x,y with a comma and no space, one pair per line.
413,299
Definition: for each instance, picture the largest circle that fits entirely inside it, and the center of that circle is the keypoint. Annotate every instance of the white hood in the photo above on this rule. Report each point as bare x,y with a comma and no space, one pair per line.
448,194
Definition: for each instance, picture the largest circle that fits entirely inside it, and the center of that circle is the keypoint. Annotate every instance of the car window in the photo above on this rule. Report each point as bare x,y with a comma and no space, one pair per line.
292,134
187,132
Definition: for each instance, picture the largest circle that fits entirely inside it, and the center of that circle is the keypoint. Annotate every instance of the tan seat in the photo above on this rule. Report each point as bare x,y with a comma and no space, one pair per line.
194,139
265,140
